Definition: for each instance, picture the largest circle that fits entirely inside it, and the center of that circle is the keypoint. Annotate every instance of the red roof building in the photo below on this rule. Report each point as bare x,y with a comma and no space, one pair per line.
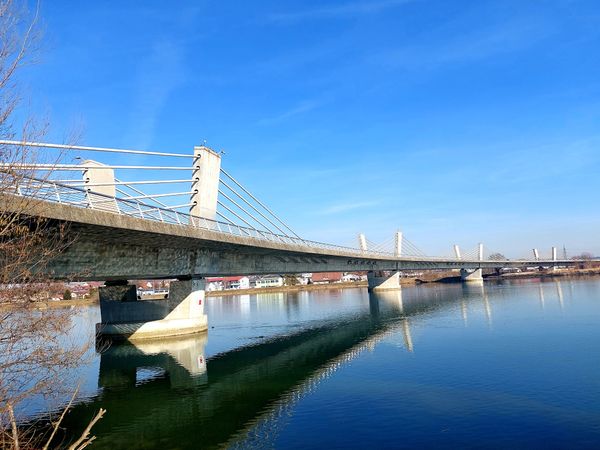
326,277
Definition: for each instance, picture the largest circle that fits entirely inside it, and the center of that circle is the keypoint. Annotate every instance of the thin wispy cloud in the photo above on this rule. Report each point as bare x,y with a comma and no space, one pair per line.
160,74
300,108
338,11
340,208
549,161
476,45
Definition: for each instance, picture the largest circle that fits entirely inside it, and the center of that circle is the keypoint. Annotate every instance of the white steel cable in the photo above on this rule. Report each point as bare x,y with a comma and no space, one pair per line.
77,183
92,149
260,203
252,206
66,167
245,212
236,215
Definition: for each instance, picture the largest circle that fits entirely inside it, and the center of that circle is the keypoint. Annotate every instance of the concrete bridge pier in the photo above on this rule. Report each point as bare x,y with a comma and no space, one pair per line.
471,275
124,316
379,281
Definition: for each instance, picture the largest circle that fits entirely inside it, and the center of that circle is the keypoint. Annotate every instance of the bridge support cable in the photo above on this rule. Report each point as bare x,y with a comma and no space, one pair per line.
252,206
397,245
91,149
137,191
260,203
151,198
231,222
236,215
78,167
470,256
266,228
413,249
79,183
250,229
383,248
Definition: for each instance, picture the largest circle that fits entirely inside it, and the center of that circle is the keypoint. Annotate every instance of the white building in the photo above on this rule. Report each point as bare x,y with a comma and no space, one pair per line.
220,283
269,281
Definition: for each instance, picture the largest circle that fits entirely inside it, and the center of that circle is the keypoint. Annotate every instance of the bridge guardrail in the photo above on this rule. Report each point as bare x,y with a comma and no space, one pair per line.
54,192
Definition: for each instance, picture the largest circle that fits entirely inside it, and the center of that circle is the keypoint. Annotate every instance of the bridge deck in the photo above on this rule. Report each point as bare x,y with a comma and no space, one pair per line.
106,245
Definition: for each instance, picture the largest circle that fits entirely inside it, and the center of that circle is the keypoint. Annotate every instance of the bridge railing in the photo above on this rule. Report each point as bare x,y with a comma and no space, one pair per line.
55,192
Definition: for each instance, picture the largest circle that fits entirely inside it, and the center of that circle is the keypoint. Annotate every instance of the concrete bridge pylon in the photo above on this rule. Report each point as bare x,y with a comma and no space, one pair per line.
362,242
205,182
457,251
99,183
398,247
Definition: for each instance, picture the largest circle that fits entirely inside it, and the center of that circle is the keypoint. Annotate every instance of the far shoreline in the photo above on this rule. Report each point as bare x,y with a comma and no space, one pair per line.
436,278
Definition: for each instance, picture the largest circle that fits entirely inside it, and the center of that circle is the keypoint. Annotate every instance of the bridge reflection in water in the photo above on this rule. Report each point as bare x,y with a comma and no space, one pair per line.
165,394
128,365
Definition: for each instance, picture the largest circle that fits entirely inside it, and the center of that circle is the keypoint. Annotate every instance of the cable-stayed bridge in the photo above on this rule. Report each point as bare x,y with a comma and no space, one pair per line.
149,223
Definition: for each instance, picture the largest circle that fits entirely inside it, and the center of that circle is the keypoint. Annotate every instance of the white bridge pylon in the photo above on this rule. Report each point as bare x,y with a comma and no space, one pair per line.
397,245
400,246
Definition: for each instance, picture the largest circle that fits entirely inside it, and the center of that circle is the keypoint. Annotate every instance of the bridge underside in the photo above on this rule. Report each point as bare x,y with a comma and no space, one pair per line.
107,246
135,255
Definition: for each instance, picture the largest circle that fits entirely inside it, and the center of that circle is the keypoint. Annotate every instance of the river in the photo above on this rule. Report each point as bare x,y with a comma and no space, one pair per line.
512,364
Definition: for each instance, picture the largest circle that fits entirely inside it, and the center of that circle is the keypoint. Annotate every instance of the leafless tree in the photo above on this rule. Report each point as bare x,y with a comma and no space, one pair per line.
33,348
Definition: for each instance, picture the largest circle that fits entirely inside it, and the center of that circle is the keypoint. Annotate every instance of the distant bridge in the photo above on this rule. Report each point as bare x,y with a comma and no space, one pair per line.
117,232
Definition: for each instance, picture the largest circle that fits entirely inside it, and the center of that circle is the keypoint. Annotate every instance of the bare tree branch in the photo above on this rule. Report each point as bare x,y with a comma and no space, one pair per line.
85,440
34,349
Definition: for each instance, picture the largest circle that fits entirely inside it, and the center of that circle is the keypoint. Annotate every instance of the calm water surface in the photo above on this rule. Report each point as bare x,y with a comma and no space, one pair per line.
510,365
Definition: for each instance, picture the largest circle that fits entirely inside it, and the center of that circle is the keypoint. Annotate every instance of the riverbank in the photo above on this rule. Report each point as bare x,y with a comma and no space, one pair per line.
69,303
435,277
42,305
558,273
551,274
296,288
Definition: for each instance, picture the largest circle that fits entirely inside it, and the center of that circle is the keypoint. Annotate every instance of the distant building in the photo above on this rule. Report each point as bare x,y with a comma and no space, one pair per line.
326,277
304,278
220,283
214,284
352,277
268,281
80,289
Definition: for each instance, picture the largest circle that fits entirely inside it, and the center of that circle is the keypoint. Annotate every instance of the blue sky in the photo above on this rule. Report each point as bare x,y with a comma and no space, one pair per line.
455,121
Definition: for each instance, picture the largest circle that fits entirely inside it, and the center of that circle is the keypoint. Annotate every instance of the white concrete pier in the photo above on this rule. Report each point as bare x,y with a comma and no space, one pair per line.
124,316
471,275
379,281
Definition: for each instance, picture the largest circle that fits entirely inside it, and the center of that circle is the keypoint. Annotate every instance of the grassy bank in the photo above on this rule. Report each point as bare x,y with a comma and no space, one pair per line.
52,304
